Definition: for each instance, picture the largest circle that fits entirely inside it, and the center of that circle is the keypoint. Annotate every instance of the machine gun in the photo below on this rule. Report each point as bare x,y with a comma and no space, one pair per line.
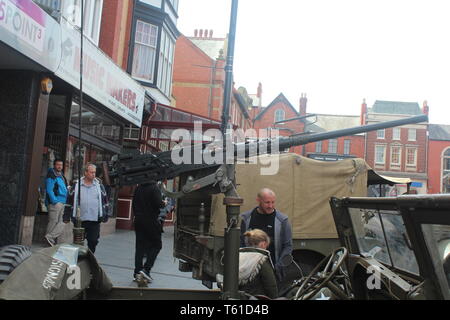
131,169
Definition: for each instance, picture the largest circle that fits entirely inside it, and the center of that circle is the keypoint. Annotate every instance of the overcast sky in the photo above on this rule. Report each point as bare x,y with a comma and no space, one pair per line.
338,52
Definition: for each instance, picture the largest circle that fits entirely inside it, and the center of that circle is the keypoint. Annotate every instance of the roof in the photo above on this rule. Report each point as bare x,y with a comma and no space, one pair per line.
396,107
439,132
210,46
329,122
280,98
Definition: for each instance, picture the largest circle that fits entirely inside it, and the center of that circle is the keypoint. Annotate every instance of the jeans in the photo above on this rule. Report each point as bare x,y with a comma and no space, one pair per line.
91,233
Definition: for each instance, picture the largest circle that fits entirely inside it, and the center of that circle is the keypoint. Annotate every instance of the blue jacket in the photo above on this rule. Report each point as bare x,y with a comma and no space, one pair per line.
55,187
283,236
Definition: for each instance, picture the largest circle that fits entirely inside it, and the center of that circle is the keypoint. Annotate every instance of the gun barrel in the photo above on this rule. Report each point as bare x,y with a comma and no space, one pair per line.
287,142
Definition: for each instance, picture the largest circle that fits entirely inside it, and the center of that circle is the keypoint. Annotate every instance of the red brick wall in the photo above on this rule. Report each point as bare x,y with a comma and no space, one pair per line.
110,32
268,118
435,151
421,142
193,76
110,27
356,146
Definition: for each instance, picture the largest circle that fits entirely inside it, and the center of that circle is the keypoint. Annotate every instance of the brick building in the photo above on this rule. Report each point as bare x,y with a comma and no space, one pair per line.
278,110
401,151
438,158
199,78
339,148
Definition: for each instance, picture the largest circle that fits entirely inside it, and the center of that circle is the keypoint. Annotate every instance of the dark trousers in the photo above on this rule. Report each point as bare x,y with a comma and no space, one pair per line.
148,243
91,233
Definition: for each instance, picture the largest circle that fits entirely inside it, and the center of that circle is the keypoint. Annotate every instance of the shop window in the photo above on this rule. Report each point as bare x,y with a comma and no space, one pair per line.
96,124
144,56
131,132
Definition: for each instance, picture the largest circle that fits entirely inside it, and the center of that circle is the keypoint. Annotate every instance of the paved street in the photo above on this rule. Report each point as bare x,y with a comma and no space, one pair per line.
115,253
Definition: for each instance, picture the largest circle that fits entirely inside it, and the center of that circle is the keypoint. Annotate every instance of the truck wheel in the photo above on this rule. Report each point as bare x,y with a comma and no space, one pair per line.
10,257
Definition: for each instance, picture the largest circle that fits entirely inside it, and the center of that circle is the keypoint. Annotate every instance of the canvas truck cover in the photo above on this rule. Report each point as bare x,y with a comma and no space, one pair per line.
303,188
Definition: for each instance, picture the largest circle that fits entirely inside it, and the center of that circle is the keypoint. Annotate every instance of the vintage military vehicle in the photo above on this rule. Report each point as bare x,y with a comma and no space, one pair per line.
303,187
392,248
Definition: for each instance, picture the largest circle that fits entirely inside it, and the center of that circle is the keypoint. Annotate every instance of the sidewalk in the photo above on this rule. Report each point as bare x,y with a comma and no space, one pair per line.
115,254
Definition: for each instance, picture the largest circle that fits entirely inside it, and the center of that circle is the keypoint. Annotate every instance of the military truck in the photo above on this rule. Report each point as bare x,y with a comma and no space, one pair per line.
303,187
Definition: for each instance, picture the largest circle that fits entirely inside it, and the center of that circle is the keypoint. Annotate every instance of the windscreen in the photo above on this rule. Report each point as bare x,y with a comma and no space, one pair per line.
381,234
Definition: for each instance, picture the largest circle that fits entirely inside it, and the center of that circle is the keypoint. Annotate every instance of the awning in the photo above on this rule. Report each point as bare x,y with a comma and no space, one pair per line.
375,178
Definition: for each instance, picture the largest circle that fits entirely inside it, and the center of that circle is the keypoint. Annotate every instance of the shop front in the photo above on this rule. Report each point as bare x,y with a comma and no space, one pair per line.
40,109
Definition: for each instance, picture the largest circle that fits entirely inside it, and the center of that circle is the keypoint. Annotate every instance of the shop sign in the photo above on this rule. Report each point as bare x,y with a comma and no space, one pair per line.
103,80
28,29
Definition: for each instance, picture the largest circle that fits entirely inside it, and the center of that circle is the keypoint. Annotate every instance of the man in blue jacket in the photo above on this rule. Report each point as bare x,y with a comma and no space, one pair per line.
274,223
56,189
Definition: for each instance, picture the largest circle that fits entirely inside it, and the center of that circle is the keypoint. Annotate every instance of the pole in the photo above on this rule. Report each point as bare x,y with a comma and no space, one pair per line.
78,231
232,201
229,67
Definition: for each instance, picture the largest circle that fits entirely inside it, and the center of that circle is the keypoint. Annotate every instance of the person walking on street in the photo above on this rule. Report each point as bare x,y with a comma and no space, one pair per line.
147,202
56,197
93,202
274,223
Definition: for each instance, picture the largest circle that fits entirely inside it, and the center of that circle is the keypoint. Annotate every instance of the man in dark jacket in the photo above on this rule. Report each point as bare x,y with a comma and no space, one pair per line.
274,223
56,190
147,202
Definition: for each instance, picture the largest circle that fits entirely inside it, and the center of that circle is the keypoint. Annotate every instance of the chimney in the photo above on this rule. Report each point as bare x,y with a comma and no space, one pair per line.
201,33
196,33
303,101
259,91
363,112
426,108
206,33
210,33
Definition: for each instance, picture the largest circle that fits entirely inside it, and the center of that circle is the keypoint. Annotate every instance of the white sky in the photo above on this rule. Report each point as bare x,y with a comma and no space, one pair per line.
338,52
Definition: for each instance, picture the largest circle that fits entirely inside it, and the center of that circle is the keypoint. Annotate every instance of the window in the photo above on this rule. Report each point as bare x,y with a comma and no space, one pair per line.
411,157
347,146
131,132
332,146
165,65
279,115
411,134
396,155
380,134
380,154
174,4
446,172
92,16
144,56
319,146
396,133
